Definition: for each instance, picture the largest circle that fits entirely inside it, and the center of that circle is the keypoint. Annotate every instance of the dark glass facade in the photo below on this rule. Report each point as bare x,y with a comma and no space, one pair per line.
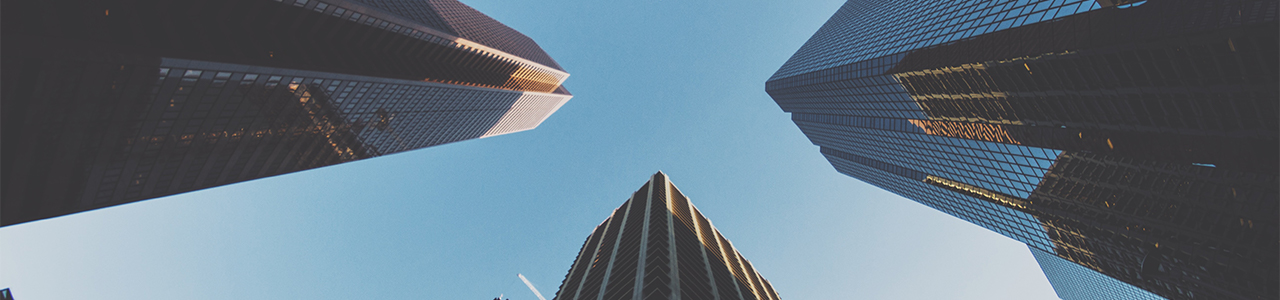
659,246
1075,282
107,103
1136,139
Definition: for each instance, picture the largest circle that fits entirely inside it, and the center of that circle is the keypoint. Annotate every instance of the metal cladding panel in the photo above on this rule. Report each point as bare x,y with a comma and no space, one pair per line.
662,256
1132,138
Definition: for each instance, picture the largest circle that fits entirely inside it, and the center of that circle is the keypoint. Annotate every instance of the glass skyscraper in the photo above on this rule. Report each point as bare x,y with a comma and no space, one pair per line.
1137,139
1075,282
657,245
107,103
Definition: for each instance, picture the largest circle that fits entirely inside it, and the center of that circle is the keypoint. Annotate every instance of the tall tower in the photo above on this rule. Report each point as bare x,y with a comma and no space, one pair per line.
659,246
1075,282
1137,139
111,102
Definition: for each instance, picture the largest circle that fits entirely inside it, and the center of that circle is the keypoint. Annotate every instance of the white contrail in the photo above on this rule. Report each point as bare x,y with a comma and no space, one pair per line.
531,288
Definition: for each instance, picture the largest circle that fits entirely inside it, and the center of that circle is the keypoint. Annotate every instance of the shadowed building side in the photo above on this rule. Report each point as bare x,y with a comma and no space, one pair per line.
1134,138
111,103
1074,282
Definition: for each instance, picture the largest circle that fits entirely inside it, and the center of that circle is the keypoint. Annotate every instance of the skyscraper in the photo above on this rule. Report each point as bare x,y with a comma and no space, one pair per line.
1075,282
1137,139
659,246
107,103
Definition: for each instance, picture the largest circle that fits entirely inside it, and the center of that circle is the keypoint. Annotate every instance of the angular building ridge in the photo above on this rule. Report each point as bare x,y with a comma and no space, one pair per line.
522,62
460,20
474,25
423,12
657,245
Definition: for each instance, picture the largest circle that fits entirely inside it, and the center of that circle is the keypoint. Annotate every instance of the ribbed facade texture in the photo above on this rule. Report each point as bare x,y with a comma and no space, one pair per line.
107,103
659,246
1075,282
1137,139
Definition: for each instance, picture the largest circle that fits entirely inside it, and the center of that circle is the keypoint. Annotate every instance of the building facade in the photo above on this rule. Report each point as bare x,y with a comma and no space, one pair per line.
107,103
1075,282
659,246
1137,139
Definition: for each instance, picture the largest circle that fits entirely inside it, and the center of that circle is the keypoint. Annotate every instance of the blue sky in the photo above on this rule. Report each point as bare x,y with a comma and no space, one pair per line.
676,86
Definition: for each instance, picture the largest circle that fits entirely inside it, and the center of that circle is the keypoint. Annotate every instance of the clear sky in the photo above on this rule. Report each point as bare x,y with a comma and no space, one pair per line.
675,85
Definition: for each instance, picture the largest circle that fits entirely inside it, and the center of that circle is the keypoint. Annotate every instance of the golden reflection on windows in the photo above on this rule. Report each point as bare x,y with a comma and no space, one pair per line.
529,79
978,192
523,79
974,92
322,124
973,131
1069,244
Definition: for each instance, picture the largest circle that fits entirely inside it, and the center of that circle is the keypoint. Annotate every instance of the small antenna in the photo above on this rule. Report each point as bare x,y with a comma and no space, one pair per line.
531,288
